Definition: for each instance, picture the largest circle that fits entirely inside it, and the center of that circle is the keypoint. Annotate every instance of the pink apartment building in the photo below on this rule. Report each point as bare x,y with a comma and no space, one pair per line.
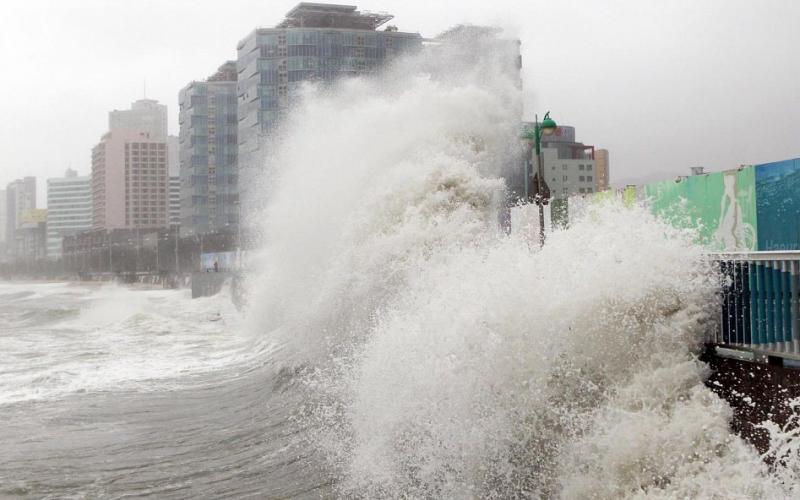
130,181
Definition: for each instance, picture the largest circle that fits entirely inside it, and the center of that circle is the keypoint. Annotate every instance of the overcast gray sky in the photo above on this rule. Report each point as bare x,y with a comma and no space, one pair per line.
664,85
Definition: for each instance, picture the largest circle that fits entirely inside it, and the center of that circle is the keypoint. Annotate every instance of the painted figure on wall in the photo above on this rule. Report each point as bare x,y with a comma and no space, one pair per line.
733,232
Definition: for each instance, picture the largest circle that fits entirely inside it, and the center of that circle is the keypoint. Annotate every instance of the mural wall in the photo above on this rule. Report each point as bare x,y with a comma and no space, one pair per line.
752,208
722,206
778,205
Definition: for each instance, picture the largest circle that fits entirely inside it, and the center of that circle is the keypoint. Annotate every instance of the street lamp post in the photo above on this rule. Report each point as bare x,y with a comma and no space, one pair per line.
238,205
158,236
177,240
541,197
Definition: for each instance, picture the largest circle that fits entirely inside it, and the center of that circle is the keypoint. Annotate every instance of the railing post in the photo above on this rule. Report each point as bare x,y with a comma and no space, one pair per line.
777,303
737,301
769,305
761,302
786,302
725,314
747,333
794,310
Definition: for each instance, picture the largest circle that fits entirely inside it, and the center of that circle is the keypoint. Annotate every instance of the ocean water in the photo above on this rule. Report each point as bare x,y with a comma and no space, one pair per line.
396,342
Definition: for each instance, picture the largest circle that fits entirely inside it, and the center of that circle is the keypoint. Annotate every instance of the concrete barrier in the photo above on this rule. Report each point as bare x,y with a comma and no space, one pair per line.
208,284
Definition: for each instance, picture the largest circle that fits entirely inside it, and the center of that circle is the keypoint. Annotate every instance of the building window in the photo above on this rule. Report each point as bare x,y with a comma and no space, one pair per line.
581,178
581,167
588,177
589,190
588,167
565,178
581,190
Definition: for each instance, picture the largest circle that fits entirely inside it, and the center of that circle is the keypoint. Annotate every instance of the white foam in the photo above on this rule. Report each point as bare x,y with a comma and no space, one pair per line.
114,339
452,361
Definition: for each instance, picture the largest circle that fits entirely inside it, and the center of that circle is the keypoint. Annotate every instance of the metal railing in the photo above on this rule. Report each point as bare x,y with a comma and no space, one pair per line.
760,302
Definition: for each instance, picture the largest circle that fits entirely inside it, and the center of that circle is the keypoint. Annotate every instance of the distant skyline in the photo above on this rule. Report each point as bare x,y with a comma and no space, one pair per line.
663,86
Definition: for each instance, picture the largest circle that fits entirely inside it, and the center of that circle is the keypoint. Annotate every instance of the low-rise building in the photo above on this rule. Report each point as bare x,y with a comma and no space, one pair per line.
31,236
569,166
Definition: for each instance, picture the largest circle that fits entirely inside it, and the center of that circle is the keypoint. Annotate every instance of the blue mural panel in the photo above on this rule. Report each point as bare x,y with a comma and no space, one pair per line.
778,205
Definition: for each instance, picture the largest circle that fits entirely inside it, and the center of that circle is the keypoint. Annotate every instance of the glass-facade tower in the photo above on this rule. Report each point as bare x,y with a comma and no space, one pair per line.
315,42
209,194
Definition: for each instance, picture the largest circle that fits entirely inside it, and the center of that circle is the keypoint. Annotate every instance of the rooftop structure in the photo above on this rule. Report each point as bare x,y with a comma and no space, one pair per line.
225,73
146,115
322,15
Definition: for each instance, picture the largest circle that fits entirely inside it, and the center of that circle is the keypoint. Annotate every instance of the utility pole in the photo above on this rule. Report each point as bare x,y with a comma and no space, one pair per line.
177,262
158,237
138,250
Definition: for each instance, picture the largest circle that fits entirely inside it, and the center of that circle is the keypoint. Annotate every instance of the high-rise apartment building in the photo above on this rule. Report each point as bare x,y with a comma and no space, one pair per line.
130,181
69,209
601,165
20,197
131,169
209,190
319,42
145,115
569,166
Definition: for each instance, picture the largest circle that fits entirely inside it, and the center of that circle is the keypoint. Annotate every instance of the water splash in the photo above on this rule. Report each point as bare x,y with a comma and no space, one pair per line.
443,358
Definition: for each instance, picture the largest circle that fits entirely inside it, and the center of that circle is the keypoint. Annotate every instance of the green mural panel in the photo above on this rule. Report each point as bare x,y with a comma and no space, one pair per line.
721,206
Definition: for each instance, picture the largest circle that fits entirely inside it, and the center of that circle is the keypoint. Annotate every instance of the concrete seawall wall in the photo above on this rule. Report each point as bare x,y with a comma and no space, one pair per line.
208,284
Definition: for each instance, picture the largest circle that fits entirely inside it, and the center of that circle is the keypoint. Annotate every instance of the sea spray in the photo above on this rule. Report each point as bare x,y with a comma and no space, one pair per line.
390,178
442,358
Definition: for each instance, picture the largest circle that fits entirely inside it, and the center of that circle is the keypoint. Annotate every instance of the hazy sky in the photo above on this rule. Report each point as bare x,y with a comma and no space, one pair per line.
664,85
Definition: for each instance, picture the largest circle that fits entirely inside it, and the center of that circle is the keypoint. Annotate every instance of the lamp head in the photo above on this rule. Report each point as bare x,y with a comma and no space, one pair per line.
548,125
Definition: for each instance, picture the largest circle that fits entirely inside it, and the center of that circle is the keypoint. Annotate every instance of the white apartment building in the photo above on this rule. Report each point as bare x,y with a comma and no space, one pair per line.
569,166
568,176
174,201
69,209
